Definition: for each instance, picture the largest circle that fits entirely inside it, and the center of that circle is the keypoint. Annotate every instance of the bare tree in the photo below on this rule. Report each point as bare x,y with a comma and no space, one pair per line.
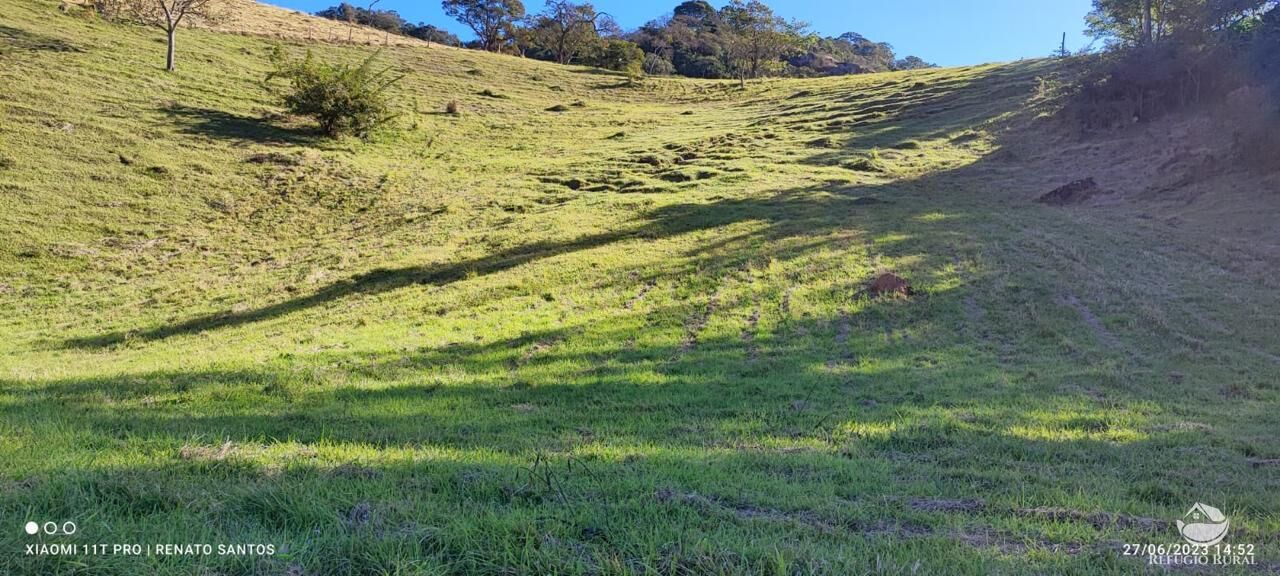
168,15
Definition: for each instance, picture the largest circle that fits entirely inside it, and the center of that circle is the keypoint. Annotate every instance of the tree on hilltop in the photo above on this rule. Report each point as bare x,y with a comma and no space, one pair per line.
493,21
566,30
758,38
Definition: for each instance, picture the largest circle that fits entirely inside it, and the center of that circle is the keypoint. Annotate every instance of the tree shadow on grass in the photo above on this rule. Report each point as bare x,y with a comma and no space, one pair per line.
635,443
224,125
23,40
788,214
812,211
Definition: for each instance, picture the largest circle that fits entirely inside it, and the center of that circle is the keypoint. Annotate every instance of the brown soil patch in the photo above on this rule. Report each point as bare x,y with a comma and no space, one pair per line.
1077,192
891,285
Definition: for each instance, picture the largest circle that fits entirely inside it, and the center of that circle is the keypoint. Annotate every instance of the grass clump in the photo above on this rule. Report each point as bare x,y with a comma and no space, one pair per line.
342,99
869,161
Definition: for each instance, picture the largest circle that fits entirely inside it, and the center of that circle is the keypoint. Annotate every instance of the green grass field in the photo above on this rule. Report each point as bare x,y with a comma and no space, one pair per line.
631,337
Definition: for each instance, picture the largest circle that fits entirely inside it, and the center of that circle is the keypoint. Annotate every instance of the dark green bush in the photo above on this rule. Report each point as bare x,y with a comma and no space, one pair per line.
343,99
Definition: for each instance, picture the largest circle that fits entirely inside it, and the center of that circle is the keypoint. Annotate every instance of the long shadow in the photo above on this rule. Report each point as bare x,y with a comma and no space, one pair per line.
224,125
20,39
788,214
377,281
794,449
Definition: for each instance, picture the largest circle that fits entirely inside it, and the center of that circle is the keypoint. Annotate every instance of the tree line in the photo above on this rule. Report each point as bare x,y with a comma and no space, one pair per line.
389,21
744,39
1166,55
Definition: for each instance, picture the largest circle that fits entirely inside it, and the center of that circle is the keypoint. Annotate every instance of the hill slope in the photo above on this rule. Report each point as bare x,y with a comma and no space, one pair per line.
629,337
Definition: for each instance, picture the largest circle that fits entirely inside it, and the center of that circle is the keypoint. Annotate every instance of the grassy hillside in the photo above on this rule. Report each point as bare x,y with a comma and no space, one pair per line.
629,337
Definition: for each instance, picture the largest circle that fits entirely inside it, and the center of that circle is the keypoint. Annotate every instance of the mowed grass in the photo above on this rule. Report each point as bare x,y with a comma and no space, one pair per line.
631,337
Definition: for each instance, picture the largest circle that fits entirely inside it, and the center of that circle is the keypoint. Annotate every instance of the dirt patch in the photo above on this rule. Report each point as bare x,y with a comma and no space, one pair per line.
890,285
1077,192
651,160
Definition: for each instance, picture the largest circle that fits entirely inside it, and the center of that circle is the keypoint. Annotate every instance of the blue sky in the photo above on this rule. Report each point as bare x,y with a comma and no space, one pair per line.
946,32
